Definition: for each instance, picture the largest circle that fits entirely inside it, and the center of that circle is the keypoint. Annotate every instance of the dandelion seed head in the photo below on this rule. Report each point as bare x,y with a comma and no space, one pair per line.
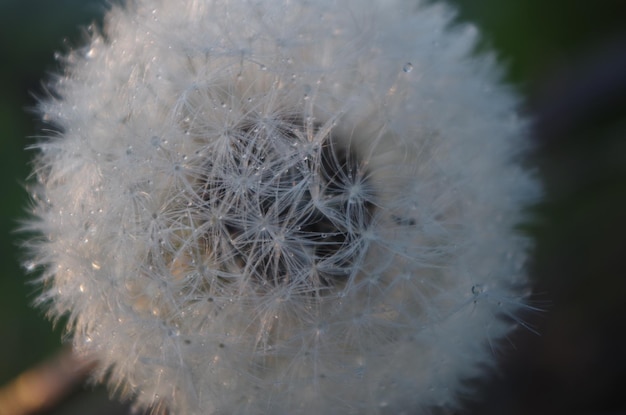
283,206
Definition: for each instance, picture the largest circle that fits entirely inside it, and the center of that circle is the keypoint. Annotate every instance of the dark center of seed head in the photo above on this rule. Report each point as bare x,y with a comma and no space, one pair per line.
292,209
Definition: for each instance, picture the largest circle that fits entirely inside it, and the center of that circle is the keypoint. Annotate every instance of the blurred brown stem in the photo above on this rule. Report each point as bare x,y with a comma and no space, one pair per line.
45,385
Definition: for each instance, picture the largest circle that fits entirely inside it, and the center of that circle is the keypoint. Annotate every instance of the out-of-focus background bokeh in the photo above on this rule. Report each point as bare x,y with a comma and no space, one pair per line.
568,59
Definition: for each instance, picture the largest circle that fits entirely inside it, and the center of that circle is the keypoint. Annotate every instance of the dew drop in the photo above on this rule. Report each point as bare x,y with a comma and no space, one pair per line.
477,289
30,266
408,67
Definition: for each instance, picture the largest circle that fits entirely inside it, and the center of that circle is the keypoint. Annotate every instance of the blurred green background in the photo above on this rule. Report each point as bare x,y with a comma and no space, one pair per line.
30,31
567,57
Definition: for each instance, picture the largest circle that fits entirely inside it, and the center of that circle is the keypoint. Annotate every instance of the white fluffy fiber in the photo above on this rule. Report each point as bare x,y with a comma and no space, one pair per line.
188,150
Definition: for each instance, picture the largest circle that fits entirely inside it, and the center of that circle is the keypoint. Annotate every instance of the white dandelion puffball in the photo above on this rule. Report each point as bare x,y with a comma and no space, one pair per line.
282,206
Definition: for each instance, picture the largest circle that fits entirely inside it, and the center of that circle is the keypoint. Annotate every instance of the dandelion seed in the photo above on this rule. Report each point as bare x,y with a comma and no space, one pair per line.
260,207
